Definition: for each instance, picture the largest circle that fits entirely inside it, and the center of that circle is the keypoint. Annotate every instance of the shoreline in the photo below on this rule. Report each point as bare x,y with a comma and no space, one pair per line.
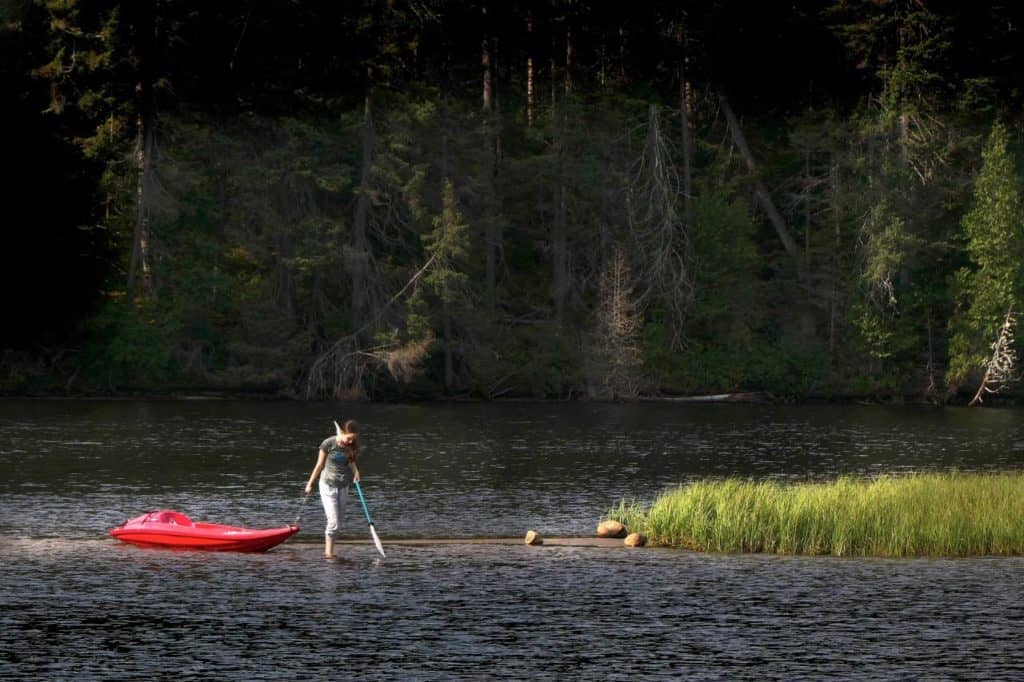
737,397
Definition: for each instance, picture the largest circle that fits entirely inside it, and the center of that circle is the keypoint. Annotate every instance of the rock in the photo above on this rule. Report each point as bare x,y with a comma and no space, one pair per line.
635,540
534,538
610,529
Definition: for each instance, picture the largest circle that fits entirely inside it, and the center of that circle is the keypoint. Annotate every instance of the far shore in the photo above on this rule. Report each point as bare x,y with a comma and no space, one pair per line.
735,397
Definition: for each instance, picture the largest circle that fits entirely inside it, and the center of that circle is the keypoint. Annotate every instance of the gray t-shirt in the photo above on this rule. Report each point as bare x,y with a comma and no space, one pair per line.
336,465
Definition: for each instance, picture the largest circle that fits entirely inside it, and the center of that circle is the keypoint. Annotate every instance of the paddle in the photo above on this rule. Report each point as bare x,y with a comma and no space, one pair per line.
373,533
298,513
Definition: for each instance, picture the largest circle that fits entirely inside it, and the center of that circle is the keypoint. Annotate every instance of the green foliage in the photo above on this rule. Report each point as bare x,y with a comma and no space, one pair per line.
993,283
727,294
128,345
92,85
763,365
905,45
417,316
447,243
731,347
271,240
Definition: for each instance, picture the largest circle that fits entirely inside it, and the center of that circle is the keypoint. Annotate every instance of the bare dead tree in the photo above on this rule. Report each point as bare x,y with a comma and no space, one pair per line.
761,191
999,368
616,345
339,372
665,254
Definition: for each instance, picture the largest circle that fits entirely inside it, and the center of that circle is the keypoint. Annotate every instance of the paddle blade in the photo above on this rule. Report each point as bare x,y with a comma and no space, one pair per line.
376,541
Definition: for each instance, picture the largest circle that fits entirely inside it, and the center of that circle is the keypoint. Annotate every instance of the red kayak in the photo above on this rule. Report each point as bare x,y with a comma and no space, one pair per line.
166,528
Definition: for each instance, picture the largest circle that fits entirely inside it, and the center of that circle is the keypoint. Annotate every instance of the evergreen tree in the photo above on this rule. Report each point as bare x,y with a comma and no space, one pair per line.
992,286
448,247
310,192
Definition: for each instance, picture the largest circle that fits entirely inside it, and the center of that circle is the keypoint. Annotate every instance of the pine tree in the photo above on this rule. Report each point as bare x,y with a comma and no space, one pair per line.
992,287
448,245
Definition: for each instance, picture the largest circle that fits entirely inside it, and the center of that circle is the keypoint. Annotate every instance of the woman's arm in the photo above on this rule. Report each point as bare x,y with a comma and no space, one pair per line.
355,472
320,459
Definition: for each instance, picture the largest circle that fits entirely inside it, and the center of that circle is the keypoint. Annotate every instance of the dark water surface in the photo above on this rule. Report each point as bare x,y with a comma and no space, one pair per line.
76,603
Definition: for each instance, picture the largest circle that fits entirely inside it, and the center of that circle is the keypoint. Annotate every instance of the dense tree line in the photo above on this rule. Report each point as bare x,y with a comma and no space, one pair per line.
418,198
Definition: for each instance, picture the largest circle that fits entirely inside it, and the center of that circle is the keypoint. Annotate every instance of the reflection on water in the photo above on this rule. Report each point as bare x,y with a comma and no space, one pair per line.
78,603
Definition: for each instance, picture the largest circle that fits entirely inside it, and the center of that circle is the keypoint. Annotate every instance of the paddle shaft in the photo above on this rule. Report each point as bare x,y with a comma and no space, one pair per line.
373,531
363,500
298,513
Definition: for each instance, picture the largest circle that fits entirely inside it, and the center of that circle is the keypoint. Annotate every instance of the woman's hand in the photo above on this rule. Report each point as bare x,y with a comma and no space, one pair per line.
309,488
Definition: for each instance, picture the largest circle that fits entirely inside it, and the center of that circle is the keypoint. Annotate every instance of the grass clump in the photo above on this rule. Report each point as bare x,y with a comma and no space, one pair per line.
934,514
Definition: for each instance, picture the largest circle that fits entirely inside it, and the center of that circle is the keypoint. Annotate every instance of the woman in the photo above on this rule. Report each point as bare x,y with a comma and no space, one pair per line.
337,455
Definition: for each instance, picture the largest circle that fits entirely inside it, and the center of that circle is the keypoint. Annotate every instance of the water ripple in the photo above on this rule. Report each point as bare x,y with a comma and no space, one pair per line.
77,603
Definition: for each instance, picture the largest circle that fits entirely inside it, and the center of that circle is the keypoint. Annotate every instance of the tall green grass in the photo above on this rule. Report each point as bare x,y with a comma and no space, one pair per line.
934,514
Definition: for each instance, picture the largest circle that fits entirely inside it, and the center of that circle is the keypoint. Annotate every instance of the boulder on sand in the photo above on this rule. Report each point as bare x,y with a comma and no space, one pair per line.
635,540
610,529
534,538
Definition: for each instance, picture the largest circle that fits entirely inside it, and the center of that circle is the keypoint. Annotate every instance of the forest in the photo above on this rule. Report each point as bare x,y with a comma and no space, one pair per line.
432,199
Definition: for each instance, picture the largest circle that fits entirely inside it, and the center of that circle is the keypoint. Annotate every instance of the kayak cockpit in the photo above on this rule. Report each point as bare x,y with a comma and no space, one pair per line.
170,517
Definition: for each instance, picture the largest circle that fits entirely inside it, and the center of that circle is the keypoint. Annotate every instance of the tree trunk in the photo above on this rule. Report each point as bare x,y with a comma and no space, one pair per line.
622,55
760,190
359,265
554,76
559,251
807,211
568,60
930,389
836,263
485,62
492,225
449,362
685,115
559,242
446,316
530,101
999,368
140,261
977,399
140,264
904,138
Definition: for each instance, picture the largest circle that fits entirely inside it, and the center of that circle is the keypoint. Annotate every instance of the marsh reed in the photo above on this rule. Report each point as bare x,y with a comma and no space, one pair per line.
928,514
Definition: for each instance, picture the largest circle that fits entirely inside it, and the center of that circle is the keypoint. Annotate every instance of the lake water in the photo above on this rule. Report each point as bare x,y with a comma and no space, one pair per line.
78,603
